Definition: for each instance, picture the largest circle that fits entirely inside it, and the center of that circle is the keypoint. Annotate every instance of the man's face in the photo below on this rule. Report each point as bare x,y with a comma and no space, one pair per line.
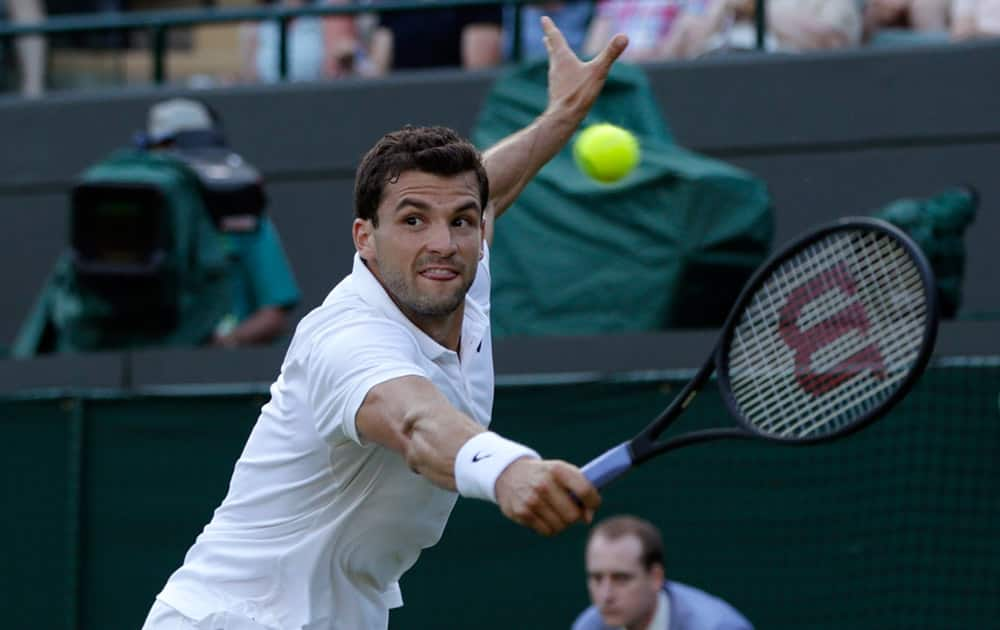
428,242
623,590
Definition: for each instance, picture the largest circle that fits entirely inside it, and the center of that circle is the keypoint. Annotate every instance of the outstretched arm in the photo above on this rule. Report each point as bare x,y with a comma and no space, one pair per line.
412,417
573,87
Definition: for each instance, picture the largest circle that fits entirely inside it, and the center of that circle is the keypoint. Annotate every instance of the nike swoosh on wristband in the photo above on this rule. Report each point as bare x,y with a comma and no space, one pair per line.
478,456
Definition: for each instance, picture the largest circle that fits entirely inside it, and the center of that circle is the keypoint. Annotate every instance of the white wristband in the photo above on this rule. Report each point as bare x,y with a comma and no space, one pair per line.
482,460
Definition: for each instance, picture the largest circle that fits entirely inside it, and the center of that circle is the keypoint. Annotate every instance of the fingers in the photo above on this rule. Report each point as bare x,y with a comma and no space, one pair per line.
612,51
540,494
553,36
580,487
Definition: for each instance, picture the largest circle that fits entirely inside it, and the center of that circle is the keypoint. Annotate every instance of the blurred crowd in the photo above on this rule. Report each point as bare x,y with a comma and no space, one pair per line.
376,43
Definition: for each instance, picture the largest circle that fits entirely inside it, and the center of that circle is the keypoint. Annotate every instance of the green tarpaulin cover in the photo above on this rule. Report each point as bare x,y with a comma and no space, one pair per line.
937,224
670,245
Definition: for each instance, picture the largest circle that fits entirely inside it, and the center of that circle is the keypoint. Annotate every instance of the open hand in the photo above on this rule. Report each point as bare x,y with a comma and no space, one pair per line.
575,84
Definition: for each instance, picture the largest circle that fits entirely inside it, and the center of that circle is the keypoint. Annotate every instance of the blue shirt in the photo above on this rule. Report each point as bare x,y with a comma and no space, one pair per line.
690,609
572,18
261,275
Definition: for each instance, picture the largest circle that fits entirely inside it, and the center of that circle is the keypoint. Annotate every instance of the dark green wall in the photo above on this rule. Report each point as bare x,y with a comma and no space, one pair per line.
897,526
831,134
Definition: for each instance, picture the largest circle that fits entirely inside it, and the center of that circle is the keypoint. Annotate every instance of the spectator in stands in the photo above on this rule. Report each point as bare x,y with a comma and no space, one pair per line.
572,17
627,585
263,286
648,24
317,47
32,50
801,25
681,29
466,36
901,20
972,19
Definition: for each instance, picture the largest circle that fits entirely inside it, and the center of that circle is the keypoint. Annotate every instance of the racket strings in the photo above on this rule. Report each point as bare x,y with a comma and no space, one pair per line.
828,311
829,336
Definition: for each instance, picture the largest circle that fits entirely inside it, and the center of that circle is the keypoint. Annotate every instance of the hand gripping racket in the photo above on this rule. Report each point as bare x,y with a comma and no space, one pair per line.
826,337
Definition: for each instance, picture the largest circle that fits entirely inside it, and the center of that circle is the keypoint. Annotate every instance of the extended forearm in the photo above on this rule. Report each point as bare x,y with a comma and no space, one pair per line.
410,416
432,438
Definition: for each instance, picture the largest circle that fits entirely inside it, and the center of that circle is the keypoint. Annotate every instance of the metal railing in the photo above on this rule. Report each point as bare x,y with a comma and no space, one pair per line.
159,22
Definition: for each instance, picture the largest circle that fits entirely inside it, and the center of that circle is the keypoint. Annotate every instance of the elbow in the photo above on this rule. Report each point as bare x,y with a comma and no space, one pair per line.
410,446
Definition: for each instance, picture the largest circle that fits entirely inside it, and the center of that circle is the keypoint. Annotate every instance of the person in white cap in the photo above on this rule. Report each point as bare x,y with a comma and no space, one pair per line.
264,290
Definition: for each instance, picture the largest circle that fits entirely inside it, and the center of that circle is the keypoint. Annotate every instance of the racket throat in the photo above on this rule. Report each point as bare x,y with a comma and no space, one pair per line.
650,449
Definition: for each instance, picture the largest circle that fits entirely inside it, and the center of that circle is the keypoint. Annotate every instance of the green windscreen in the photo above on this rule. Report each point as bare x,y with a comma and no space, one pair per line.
668,246
897,526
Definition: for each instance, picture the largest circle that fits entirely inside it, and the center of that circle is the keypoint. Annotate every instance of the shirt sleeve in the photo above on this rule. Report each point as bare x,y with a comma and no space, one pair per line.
479,292
345,365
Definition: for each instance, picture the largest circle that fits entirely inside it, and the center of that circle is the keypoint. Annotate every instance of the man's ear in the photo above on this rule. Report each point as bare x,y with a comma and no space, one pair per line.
657,575
364,239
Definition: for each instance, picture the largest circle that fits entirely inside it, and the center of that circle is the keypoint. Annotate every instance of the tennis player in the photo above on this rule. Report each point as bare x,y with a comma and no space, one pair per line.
625,578
380,411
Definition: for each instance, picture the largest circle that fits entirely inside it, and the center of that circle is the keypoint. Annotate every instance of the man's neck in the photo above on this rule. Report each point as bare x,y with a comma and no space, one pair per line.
648,621
446,330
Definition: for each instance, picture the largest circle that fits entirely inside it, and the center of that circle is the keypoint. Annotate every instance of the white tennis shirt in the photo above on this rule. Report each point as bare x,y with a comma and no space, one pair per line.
318,525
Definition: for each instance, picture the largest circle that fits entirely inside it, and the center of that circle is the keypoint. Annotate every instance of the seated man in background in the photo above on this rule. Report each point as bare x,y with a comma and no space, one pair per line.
572,17
467,37
32,50
684,29
648,24
971,19
628,588
263,286
317,47
905,16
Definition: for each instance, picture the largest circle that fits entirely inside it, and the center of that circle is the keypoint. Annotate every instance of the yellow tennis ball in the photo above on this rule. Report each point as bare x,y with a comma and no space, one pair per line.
606,152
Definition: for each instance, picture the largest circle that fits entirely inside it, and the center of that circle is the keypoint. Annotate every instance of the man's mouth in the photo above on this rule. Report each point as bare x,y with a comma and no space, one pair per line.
439,273
610,612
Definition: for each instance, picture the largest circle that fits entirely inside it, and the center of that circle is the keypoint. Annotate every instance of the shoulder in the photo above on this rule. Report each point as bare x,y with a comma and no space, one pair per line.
345,321
694,608
589,619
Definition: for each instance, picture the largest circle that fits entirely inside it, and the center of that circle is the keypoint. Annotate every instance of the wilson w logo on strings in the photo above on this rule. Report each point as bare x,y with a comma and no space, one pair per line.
851,318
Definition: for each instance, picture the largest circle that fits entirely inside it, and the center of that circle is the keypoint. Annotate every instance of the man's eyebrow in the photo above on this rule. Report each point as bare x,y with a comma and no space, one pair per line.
420,204
412,202
469,205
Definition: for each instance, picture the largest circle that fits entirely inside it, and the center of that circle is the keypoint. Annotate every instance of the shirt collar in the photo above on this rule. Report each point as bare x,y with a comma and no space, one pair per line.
474,321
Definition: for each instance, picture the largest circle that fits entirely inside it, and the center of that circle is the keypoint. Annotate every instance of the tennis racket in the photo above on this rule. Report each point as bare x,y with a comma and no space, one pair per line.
826,337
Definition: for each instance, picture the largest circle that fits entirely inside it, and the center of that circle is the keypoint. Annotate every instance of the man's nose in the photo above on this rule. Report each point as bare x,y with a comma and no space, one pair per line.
603,590
441,240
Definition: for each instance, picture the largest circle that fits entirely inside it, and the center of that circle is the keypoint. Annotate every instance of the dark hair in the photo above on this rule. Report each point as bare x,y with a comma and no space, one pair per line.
649,536
435,150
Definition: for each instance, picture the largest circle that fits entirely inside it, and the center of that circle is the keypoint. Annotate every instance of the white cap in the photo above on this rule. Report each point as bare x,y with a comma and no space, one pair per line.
170,117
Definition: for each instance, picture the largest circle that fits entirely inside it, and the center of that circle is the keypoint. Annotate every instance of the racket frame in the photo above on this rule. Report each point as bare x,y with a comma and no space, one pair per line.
926,346
644,445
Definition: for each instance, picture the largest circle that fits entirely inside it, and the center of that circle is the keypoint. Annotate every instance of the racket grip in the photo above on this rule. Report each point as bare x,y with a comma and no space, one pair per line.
611,465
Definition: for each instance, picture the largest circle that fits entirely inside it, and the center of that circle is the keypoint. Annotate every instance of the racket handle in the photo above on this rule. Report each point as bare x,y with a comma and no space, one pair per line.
611,465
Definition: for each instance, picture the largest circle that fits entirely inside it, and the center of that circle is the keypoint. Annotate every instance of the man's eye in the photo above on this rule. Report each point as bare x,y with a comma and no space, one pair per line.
412,220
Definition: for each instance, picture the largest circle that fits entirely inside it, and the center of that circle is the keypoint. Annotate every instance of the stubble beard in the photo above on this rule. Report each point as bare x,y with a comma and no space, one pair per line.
411,300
